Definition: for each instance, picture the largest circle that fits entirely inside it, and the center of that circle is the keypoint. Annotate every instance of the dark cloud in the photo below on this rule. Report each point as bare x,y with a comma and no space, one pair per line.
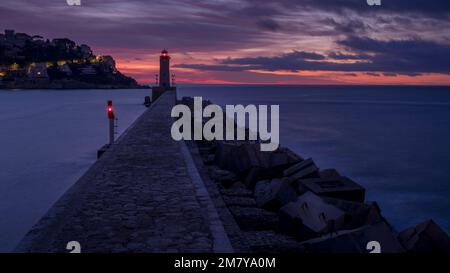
387,74
403,55
268,24
351,74
373,74
348,26
343,56
429,7
407,57
287,61
198,24
182,25
412,74
206,67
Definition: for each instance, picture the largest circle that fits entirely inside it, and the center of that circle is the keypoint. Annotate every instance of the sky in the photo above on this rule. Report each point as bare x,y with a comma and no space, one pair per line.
254,41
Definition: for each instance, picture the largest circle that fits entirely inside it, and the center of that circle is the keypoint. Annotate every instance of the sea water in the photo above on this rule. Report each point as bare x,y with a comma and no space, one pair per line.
392,140
48,139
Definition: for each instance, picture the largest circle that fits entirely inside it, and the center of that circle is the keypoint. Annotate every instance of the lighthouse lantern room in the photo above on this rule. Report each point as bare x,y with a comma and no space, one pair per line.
164,76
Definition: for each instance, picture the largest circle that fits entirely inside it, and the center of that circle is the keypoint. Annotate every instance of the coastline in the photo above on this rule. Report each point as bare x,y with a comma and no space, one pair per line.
69,85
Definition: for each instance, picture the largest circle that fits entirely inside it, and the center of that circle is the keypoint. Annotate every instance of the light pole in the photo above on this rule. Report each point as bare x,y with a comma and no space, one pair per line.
111,118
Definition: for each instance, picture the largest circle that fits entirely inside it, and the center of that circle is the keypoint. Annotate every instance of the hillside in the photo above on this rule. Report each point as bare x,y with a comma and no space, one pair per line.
30,62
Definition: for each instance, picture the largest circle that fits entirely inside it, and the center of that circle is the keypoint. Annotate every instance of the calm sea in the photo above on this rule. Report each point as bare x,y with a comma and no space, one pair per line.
392,140
48,139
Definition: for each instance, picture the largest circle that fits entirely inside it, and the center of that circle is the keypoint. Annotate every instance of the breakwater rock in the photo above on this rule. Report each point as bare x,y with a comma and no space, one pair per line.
284,203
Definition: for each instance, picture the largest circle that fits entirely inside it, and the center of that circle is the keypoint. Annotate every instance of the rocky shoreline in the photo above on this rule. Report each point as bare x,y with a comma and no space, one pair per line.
30,62
284,203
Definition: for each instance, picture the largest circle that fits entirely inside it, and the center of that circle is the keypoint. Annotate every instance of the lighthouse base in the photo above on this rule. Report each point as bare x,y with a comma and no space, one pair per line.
157,91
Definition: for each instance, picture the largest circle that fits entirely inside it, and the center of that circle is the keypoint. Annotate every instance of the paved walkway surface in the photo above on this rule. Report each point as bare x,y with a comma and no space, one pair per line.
143,195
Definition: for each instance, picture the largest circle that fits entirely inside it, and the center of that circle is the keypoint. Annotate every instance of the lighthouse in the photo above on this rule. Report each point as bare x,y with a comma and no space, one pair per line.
165,83
164,69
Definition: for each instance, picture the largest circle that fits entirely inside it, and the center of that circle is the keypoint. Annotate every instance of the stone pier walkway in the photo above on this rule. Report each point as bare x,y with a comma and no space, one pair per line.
143,195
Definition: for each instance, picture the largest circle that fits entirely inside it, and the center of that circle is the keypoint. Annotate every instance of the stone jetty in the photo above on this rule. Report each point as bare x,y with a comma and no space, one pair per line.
143,195
149,193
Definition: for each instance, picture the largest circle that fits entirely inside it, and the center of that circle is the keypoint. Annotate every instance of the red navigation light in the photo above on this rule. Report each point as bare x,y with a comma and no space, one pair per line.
164,53
110,110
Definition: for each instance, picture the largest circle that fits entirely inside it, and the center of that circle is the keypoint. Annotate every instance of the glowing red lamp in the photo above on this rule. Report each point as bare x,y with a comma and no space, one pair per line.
110,110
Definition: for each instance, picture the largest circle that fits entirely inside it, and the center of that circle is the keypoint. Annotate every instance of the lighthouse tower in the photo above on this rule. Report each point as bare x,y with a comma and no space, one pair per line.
164,76
164,70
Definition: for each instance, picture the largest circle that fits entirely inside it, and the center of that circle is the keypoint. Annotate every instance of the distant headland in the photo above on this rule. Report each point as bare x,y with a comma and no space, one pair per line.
31,62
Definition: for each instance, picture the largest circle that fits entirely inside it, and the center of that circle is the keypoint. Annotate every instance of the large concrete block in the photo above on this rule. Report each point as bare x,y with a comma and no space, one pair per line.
309,216
426,237
311,171
357,214
240,158
239,201
304,169
356,241
273,194
254,175
327,173
336,187
254,218
224,177
297,167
